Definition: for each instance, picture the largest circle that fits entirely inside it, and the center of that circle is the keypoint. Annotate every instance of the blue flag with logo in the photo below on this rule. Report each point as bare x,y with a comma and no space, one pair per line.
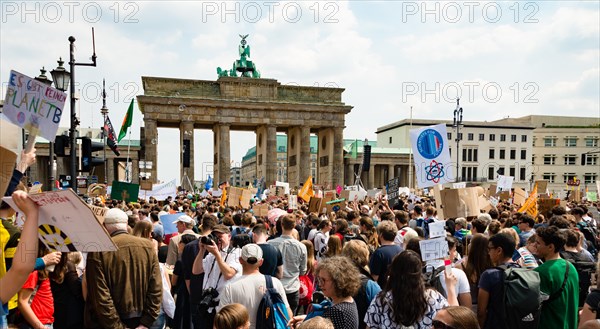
209,183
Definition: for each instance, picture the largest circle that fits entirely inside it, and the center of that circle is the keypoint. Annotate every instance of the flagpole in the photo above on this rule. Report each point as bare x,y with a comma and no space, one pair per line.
127,173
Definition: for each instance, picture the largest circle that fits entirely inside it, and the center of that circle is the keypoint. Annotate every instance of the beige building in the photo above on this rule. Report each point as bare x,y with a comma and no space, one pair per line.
565,148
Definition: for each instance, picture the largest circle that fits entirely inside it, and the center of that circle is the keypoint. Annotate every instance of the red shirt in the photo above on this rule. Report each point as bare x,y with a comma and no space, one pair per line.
43,303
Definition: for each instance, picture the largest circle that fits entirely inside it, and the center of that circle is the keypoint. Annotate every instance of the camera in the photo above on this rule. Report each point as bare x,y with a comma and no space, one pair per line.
209,239
209,298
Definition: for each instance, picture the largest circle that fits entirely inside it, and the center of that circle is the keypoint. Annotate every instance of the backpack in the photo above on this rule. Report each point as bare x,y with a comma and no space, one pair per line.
433,278
521,296
271,313
585,271
590,236
424,224
306,290
361,298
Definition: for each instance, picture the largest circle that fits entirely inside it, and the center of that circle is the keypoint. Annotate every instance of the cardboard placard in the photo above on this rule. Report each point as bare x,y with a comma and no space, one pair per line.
484,203
545,205
8,160
434,249
260,210
67,224
336,205
245,199
280,191
99,212
491,190
314,205
328,196
519,196
96,190
146,185
504,195
462,202
286,186
542,186
234,194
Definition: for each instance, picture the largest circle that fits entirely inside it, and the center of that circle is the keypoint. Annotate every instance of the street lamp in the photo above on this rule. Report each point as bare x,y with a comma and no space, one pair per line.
62,79
458,118
44,79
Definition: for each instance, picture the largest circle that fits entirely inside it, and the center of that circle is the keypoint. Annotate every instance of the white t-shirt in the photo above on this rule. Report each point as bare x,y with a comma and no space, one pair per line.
404,234
462,284
212,277
320,244
248,291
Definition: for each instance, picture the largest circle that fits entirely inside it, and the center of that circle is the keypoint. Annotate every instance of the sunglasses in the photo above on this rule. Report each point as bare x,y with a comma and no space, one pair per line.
440,325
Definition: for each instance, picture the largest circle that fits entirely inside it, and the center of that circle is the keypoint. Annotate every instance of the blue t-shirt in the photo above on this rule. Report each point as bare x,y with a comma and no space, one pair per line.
492,281
380,261
271,259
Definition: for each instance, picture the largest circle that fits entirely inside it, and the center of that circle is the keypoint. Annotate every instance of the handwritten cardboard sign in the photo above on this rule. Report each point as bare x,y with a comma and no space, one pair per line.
7,165
260,210
437,229
66,223
33,105
314,205
462,202
99,212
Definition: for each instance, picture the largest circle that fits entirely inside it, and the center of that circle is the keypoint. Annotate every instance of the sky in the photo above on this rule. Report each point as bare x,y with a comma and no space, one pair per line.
503,59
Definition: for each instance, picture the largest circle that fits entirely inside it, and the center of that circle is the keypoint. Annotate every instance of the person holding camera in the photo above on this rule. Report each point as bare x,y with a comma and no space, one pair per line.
220,265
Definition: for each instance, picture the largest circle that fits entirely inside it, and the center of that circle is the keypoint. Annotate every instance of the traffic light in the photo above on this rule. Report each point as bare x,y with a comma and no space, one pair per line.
87,148
60,143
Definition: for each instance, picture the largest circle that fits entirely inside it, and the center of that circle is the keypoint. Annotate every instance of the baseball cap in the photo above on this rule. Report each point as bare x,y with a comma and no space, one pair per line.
220,228
115,216
251,253
184,218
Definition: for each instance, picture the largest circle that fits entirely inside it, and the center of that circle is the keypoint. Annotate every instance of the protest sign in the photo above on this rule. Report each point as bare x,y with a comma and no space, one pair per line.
437,229
484,203
33,105
96,190
335,205
36,188
293,202
245,199
314,205
8,160
393,191
169,222
542,186
437,195
431,155
124,191
403,191
545,205
260,210
234,194
591,196
216,193
67,224
99,212
10,136
462,202
434,249
160,191
286,187
519,196
504,183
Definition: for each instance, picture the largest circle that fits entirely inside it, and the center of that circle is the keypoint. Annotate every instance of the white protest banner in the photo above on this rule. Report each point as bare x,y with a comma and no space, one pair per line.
160,191
66,223
404,191
437,229
33,105
293,202
432,155
504,183
286,186
434,249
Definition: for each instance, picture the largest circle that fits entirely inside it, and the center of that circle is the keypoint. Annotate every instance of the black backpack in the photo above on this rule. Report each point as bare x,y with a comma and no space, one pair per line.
362,301
585,271
590,236
521,297
271,313
433,278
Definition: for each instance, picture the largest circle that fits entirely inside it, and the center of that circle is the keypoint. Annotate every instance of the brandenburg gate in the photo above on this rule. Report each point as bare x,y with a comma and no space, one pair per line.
248,103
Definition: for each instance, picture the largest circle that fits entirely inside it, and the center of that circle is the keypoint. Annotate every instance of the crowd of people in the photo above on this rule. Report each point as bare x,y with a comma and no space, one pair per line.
358,267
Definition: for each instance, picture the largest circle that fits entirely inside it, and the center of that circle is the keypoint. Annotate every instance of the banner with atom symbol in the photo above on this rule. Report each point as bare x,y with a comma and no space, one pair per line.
431,155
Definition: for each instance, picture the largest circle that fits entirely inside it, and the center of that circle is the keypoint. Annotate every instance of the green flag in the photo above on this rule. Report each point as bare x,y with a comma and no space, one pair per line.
126,122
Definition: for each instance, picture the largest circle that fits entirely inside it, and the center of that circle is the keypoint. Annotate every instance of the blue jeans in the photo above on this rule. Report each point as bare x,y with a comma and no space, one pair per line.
159,323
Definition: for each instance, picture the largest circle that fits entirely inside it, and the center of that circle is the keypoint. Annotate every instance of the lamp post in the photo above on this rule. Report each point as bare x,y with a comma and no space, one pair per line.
44,79
62,78
458,118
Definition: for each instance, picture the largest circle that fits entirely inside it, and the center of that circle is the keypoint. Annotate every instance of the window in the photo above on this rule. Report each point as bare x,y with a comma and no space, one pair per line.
549,159
591,160
549,177
481,137
523,154
474,154
522,174
513,155
492,137
591,142
550,141
570,141
511,171
568,176
469,155
513,138
523,138
502,154
502,137
460,136
464,155
570,159
390,139
449,136
469,173
470,136
491,172
491,155
590,178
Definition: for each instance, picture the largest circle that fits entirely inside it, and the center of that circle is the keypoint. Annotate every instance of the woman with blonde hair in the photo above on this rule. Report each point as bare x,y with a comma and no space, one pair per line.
334,246
316,323
368,233
455,317
232,316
